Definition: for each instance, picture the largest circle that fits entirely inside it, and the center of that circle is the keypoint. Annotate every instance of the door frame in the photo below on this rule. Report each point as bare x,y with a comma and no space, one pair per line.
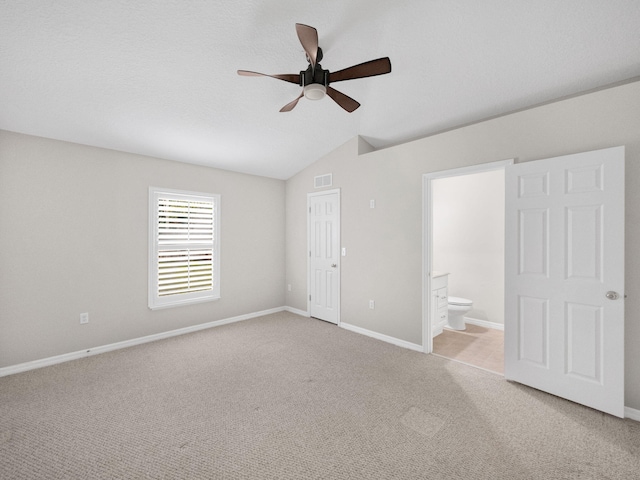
338,223
427,236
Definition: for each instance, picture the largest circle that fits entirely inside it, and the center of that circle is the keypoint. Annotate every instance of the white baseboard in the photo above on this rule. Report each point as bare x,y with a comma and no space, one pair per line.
66,357
484,323
380,336
297,312
632,414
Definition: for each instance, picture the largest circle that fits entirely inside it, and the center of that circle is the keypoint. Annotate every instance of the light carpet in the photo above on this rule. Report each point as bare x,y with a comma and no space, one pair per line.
287,397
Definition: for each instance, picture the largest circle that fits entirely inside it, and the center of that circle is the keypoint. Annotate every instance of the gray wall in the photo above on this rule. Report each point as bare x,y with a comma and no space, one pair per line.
74,239
384,252
468,239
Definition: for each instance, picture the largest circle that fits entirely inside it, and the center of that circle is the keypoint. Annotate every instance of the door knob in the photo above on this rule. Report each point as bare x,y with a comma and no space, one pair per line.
334,265
612,295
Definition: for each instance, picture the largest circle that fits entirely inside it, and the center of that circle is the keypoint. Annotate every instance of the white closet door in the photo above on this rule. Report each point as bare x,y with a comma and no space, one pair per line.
324,254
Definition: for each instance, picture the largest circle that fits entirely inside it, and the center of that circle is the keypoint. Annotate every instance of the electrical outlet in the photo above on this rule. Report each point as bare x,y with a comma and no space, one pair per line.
372,304
289,287
372,203
84,318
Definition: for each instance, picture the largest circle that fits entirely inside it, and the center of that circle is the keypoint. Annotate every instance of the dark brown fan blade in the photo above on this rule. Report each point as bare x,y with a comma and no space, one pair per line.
290,106
348,103
308,37
287,77
366,69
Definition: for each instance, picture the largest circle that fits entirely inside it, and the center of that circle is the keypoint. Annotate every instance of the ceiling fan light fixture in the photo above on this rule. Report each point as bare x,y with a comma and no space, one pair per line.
315,91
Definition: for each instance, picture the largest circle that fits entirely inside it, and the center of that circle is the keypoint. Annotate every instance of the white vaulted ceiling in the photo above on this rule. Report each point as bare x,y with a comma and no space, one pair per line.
159,77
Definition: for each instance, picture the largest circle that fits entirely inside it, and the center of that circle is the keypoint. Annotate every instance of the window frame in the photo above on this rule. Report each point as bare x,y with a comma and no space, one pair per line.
156,301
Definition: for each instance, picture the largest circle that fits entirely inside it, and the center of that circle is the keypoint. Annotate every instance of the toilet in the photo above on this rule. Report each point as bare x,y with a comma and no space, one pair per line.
457,308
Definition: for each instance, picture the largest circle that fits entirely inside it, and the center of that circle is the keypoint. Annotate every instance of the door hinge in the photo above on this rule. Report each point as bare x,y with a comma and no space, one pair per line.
309,252
309,297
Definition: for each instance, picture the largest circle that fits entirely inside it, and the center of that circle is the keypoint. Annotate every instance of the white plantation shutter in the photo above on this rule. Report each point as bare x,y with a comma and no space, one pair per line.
185,246
183,271
184,254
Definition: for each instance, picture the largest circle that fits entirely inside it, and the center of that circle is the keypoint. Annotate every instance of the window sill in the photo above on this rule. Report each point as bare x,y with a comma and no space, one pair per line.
182,303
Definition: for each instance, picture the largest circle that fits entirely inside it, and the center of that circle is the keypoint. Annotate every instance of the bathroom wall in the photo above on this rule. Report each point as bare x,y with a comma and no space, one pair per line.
468,239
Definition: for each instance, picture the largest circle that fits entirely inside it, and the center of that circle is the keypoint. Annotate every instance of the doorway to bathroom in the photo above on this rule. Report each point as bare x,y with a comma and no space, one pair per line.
564,283
464,233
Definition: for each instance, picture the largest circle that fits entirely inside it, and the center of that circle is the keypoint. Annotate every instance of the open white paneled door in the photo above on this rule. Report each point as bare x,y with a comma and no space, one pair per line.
564,277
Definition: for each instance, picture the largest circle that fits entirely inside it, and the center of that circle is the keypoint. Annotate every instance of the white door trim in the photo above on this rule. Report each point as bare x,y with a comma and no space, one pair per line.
309,196
427,236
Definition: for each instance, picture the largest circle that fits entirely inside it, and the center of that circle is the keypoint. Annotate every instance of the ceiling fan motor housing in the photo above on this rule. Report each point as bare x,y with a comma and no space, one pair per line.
317,75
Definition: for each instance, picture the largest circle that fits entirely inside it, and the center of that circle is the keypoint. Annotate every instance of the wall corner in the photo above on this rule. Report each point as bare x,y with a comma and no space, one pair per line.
364,146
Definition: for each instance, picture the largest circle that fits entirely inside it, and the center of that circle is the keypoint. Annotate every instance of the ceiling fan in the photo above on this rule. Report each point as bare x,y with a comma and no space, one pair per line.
315,80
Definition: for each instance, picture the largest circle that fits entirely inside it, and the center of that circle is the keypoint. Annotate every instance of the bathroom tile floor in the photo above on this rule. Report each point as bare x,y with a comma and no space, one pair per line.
478,346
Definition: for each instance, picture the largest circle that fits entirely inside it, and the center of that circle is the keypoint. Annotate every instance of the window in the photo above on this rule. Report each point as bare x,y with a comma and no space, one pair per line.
184,247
